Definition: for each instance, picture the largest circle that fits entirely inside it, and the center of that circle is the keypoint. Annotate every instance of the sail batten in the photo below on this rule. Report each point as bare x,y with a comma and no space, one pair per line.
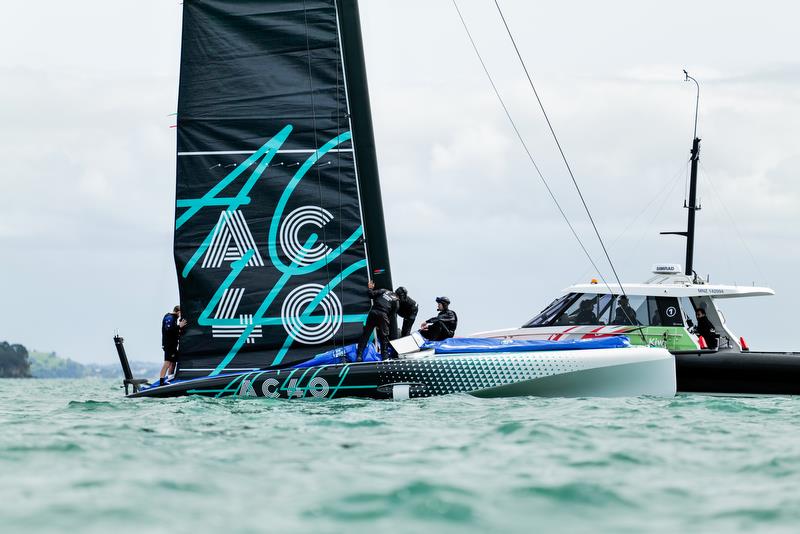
269,239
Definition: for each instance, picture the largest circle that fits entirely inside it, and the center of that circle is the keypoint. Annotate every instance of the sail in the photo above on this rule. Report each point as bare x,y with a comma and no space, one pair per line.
271,202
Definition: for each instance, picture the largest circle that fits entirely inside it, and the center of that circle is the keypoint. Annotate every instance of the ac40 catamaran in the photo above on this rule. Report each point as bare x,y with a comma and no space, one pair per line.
279,226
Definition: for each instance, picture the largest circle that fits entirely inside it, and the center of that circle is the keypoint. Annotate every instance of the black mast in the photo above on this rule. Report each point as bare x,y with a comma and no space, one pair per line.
692,207
364,143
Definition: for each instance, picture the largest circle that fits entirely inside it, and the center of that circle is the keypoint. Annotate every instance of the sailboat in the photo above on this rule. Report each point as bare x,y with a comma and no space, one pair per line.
279,226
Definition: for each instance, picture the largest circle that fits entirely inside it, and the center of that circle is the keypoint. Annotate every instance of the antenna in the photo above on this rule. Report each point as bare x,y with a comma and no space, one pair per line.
697,99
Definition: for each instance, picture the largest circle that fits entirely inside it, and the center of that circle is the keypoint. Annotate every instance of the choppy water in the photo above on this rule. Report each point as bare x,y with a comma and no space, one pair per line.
76,456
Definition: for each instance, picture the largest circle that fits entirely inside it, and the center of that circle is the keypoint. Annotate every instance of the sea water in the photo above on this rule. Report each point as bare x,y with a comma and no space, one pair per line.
75,456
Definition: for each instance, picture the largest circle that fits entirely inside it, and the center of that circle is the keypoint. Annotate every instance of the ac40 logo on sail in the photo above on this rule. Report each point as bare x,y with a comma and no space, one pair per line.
310,313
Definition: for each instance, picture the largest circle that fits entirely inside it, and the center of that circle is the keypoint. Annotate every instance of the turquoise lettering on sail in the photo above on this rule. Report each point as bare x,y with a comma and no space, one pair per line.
276,218
194,205
261,159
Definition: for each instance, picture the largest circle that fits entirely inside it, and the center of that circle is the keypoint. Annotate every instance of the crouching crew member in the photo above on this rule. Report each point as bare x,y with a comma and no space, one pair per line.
383,303
705,328
442,326
407,309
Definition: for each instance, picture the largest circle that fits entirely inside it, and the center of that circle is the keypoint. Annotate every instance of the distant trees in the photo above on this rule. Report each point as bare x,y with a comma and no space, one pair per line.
17,362
49,365
14,361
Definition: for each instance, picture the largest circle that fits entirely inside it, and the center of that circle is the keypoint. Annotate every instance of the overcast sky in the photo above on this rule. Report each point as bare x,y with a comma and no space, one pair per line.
87,158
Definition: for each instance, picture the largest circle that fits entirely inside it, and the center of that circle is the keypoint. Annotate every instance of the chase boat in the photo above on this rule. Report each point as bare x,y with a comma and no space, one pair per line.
665,316
662,312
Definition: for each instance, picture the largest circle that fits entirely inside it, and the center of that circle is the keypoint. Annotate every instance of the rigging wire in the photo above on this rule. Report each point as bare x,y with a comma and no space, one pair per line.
686,187
657,213
717,195
661,194
558,144
715,216
316,134
525,147
339,117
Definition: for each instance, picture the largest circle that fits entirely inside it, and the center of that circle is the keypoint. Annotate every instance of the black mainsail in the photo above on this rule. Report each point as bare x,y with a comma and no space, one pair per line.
279,221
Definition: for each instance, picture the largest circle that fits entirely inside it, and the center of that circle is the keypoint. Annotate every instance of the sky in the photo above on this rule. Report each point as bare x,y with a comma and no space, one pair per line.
87,158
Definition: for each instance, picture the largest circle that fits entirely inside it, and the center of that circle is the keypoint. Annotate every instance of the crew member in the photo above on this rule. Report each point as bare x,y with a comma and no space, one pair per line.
172,326
383,303
442,326
706,329
625,314
407,309
585,314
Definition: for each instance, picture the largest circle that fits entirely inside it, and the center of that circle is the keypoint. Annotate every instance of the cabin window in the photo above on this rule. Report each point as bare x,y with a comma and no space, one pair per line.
634,314
586,309
689,315
548,315
603,310
664,311
576,309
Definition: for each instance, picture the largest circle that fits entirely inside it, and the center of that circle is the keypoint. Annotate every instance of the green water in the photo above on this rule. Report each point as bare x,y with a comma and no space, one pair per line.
77,457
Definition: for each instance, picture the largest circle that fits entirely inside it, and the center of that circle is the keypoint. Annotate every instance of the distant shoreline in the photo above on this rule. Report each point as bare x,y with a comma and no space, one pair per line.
17,362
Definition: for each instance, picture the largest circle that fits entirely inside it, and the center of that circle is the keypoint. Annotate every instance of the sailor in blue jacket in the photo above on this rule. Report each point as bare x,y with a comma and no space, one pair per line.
172,326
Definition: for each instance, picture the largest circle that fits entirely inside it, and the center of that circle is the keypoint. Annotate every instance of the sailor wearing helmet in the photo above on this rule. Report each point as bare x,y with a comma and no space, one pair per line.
442,326
407,309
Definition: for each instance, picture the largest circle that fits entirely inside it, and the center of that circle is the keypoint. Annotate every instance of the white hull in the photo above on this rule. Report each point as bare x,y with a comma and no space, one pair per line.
624,372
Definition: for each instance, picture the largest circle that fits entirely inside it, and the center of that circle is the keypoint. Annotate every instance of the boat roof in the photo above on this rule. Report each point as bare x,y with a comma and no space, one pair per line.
673,286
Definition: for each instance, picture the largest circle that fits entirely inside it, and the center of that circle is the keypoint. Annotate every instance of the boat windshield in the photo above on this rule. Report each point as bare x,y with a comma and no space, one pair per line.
548,314
605,309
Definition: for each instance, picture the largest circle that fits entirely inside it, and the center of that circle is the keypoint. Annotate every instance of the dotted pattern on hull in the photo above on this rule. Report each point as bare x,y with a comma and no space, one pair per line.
445,375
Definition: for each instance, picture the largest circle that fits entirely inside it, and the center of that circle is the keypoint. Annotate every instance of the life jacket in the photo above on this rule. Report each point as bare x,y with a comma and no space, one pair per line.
170,330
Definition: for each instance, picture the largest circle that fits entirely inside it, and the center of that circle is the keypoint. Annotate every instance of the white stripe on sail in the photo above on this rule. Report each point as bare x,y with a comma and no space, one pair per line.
238,236
249,239
233,152
215,238
227,312
235,306
230,241
222,302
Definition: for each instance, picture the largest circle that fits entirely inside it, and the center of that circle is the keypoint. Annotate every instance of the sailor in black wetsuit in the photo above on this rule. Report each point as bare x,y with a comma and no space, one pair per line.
706,329
442,326
407,309
383,303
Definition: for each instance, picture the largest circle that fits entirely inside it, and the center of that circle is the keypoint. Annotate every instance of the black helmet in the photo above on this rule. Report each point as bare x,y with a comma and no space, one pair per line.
401,291
443,300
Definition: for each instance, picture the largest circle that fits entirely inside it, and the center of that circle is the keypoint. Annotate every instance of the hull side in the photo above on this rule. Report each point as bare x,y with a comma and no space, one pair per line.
622,372
745,373
624,380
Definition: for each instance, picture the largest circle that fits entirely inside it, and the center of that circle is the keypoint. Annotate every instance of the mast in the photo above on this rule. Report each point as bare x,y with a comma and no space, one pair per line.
364,143
692,207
